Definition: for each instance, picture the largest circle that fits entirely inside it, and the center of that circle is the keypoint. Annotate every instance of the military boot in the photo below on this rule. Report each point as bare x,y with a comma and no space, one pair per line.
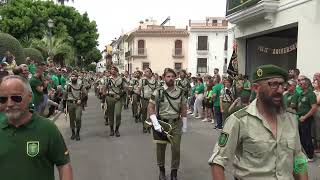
111,131
73,136
117,132
78,135
174,173
162,175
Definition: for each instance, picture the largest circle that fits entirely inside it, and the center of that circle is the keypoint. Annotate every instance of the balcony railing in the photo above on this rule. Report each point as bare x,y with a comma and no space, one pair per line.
140,52
177,53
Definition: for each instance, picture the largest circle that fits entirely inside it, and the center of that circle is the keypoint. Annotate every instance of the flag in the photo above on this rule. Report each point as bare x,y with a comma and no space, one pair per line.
233,64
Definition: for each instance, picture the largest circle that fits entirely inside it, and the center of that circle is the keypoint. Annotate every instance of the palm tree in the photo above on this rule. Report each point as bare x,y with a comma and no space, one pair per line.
62,49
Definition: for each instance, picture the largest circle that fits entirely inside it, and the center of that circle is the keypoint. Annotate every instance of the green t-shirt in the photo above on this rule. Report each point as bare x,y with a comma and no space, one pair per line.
200,88
37,96
30,151
299,90
305,101
291,100
2,117
32,68
217,90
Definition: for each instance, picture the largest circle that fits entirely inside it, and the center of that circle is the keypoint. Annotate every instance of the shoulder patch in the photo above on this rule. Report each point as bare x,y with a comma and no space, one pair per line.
241,113
223,139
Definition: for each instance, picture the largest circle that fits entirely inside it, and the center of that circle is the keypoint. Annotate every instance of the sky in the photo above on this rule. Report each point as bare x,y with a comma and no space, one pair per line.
113,17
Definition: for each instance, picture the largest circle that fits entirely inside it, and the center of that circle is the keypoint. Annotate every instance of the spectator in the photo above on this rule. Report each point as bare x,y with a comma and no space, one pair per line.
208,103
199,91
216,90
37,87
227,96
316,122
32,133
290,96
307,107
10,60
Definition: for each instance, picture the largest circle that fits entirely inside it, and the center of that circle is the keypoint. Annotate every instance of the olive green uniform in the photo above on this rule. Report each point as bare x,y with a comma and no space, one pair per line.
114,93
29,152
184,85
227,95
74,93
168,105
134,87
291,101
147,87
258,154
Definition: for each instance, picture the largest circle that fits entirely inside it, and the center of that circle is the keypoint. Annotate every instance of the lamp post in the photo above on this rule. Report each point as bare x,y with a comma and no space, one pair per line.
50,25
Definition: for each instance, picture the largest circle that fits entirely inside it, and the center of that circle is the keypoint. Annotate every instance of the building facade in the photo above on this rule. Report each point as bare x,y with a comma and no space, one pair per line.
208,45
280,32
118,52
157,47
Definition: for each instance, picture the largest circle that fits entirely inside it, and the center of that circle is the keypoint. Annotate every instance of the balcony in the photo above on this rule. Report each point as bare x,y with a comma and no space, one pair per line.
251,10
140,53
177,53
202,49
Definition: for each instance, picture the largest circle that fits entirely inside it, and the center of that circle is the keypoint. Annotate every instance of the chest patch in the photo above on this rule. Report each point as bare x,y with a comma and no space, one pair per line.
33,148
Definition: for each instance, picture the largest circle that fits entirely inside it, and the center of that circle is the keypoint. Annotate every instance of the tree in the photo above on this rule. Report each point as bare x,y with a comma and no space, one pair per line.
93,56
9,43
62,1
27,20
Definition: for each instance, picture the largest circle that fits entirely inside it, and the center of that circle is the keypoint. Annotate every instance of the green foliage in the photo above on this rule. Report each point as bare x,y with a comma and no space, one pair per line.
91,67
93,56
34,54
27,20
9,43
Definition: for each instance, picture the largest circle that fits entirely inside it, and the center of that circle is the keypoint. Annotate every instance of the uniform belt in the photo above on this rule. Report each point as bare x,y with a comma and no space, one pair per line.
72,101
227,101
168,120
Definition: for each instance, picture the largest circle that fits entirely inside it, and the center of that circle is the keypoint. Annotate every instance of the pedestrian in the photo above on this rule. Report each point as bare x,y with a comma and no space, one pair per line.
291,96
73,95
32,144
146,85
37,86
115,90
316,125
199,95
169,105
307,107
216,90
261,139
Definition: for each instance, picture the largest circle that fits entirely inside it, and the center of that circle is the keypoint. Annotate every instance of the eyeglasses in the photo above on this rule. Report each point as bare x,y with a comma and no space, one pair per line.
275,85
16,99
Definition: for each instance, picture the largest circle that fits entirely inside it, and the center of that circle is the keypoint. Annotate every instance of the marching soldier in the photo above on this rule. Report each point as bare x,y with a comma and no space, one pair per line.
127,97
147,85
73,96
183,83
104,83
168,104
115,90
135,92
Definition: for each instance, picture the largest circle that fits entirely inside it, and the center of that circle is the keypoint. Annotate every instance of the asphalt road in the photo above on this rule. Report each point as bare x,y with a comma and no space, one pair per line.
132,156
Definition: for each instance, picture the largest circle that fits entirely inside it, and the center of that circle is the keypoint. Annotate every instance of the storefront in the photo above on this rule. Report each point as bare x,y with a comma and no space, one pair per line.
280,32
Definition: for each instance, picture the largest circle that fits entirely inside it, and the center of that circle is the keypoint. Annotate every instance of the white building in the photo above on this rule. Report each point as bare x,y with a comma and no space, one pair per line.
280,32
208,45
118,52
101,66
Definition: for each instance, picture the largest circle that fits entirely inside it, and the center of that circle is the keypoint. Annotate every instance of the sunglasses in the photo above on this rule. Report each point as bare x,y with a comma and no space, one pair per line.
16,99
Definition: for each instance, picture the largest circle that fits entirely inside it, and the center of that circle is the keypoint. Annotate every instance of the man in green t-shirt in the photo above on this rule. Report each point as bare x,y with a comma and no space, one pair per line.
290,97
38,145
307,107
37,87
216,90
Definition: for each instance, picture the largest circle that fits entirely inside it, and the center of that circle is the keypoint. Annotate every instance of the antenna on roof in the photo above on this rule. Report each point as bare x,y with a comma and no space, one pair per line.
165,21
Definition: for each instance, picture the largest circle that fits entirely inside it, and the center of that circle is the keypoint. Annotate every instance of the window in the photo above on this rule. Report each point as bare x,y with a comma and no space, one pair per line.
145,65
226,43
202,65
214,22
178,47
202,42
141,45
177,66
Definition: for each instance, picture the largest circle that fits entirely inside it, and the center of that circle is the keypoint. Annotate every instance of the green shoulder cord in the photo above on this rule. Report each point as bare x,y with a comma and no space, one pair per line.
160,98
168,97
300,165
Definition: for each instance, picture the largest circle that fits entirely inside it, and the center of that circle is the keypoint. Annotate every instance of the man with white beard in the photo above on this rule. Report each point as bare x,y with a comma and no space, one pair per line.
30,143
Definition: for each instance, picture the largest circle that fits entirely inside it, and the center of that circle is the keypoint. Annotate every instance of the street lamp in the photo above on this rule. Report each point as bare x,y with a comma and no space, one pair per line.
50,25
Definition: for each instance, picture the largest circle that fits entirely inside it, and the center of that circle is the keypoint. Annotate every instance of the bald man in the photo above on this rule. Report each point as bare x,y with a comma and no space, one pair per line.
33,144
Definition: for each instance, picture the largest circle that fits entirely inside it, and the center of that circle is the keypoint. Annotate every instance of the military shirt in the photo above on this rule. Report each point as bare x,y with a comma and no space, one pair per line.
247,139
147,87
134,85
116,86
183,84
305,101
227,94
74,91
29,152
166,111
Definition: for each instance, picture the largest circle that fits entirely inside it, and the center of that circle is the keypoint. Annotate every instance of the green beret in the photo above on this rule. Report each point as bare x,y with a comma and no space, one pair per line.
268,71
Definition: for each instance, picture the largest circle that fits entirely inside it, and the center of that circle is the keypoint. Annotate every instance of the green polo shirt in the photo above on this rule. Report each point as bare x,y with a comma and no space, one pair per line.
37,96
200,88
305,101
30,151
2,117
291,100
217,90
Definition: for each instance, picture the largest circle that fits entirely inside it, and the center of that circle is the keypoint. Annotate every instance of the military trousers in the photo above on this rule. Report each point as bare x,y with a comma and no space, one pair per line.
135,102
75,114
175,147
114,111
144,109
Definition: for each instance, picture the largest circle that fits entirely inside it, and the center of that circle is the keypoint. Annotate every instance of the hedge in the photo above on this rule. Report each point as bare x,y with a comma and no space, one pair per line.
34,54
10,43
